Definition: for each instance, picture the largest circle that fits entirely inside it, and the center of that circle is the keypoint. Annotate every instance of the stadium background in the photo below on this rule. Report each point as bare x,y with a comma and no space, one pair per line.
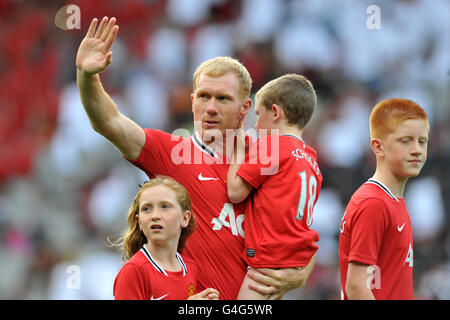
64,189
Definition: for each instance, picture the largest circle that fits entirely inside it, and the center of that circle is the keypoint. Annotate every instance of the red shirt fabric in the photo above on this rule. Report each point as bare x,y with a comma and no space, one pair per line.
141,278
217,243
286,178
376,230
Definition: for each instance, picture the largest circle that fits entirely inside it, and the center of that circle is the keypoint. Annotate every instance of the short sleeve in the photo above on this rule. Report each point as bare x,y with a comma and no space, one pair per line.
369,226
155,156
129,284
260,162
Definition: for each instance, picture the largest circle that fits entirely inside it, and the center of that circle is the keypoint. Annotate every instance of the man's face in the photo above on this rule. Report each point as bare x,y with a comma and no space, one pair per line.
217,105
405,149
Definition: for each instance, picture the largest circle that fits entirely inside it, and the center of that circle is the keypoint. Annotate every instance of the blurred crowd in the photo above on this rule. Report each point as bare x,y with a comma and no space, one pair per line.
65,190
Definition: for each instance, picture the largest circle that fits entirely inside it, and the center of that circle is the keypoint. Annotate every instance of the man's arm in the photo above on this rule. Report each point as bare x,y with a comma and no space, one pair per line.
277,283
356,286
93,57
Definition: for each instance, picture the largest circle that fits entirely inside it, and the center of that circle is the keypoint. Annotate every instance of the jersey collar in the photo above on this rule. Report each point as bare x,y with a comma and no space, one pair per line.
293,136
382,186
158,267
202,146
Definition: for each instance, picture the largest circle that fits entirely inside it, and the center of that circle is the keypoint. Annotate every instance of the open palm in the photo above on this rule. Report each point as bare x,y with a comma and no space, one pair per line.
94,53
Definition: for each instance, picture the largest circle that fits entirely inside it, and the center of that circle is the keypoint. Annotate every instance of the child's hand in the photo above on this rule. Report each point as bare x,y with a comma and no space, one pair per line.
207,294
241,143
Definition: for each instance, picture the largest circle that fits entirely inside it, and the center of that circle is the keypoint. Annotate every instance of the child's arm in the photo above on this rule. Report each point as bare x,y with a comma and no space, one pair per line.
238,189
356,286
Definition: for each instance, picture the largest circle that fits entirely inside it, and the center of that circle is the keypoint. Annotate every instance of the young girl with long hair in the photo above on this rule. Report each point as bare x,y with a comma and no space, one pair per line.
159,222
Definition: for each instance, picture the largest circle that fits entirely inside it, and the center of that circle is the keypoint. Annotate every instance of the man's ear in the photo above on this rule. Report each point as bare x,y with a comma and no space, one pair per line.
245,108
377,147
192,102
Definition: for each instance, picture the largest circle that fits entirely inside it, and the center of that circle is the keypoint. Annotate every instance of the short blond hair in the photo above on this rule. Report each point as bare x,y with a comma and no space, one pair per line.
388,114
294,94
220,66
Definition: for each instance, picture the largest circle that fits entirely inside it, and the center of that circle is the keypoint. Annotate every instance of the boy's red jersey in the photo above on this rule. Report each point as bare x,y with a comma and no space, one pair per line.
286,178
376,230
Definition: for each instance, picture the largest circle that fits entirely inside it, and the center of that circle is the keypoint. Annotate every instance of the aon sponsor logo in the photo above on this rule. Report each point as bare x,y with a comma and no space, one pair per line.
227,218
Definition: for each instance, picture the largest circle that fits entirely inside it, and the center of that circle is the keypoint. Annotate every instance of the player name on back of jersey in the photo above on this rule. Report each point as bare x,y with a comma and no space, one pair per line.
300,153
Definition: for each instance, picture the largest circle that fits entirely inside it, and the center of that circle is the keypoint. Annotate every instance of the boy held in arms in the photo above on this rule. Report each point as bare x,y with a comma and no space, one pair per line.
278,213
376,238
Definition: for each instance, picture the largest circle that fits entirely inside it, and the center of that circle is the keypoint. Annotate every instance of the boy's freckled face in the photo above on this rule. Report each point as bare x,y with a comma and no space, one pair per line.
406,148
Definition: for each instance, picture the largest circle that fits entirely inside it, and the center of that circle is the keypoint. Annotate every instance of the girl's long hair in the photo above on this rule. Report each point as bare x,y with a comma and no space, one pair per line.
134,239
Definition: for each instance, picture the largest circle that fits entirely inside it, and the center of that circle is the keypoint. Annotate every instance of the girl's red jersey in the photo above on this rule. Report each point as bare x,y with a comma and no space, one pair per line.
141,278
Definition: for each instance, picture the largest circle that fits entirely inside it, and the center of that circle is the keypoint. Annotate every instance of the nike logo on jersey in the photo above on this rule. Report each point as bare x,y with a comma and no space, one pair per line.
159,297
202,178
401,228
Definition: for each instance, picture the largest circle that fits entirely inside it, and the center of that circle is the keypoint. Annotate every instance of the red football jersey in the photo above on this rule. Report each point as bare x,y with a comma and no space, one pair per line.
286,178
217,243
376,230
141,278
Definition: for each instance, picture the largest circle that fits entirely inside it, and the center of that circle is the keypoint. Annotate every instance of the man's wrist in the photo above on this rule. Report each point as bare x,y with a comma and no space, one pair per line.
84,74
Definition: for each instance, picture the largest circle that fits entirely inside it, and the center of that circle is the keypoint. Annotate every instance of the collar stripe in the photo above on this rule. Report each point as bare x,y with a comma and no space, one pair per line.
382,186
199,144
158,267
293,136
150,258
182,264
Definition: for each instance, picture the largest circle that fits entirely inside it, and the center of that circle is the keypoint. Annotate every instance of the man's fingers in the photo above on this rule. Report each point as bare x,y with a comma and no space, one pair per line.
111,37
261,289
108,28
91,29
101,28
275,297
262,283
267,274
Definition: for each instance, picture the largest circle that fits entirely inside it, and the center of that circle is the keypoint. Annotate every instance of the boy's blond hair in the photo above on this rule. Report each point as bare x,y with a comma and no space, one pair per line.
294,94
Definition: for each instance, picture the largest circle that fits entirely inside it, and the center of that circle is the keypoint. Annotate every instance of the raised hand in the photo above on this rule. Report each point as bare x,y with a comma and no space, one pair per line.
94,53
